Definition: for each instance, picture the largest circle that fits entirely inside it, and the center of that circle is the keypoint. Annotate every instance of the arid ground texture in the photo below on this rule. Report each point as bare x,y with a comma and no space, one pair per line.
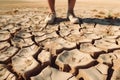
30,49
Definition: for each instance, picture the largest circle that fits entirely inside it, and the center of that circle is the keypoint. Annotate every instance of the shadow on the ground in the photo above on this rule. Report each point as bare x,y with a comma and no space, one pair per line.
59,20
107,21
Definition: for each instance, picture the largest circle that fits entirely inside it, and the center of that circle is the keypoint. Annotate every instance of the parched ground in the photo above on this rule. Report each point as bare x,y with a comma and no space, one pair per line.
33,50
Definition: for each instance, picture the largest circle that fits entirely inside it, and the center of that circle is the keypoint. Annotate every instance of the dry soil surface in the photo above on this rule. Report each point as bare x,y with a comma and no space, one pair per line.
33,50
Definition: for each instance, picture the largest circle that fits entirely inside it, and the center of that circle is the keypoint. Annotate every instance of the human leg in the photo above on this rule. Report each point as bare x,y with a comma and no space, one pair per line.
70,15
51,4
71,4
52,15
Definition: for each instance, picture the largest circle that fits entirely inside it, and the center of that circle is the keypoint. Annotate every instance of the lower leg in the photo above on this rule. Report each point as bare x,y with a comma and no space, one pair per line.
51,4
70,15
51,17
71,4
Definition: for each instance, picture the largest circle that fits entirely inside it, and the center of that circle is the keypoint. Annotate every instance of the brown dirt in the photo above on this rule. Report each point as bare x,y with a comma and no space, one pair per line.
32,50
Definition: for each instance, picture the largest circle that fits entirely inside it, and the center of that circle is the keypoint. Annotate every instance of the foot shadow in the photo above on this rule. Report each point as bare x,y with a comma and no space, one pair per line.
58,20
106,21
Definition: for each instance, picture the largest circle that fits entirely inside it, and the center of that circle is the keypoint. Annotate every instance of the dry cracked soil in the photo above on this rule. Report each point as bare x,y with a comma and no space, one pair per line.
33,50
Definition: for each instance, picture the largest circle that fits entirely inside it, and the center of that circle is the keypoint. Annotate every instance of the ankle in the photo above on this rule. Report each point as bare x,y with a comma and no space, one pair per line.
71,14
53,11
71,11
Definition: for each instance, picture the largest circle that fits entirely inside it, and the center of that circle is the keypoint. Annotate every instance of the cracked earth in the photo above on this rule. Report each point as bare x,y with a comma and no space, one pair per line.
33,50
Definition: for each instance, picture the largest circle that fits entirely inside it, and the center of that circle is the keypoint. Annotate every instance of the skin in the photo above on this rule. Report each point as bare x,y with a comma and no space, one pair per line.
71,4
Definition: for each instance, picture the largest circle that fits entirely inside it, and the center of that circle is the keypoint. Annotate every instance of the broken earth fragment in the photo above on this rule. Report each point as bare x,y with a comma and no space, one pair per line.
90,49
4,36
116,75
5,74
6,44
20,42
55,46
44,57
28,65
106,58
7,53
73,58
105,45
93,73
50,73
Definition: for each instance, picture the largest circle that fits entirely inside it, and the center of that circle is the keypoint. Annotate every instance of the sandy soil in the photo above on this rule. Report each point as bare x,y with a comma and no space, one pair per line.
81,3
30,49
